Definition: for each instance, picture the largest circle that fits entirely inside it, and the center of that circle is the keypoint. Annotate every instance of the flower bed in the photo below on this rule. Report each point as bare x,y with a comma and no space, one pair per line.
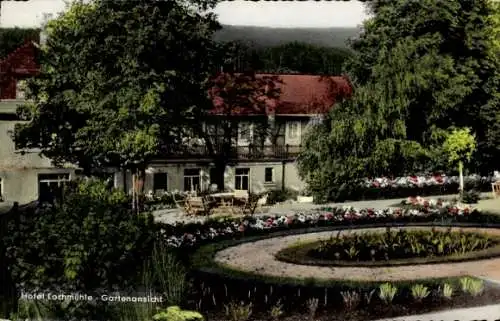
217,287
424,180
220,284
398,247
193,234
400,187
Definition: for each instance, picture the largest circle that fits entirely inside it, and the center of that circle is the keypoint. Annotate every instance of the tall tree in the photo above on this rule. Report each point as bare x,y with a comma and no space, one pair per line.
418,68
117,80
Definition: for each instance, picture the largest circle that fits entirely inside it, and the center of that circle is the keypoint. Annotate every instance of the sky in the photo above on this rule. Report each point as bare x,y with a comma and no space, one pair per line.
315,14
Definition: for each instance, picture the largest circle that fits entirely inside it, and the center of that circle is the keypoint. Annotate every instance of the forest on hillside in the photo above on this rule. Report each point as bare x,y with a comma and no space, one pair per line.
265,50
271,37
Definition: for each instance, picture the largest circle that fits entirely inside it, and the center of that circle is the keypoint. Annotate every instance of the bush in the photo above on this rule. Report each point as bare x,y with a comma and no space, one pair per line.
470,197
278,196
90,243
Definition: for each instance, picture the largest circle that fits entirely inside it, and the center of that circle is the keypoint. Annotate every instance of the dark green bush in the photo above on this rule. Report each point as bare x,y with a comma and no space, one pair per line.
470,197
91,243
278,195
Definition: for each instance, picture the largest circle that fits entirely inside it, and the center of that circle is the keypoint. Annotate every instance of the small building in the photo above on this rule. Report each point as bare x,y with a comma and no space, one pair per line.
24,176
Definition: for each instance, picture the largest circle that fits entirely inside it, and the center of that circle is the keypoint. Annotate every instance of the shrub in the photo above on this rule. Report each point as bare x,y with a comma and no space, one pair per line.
276,311
174,313
90,243
169,273
419,292
470,197
238,312
387,292
446,291
472,286
278,195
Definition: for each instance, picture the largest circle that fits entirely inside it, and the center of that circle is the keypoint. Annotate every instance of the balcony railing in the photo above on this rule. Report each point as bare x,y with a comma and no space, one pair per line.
276,152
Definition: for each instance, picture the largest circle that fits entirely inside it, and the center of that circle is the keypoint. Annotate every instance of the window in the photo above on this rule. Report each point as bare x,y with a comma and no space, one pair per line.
213,176
160,182
192,179
269,175
50,186
244,132
293,130
20,87
242,179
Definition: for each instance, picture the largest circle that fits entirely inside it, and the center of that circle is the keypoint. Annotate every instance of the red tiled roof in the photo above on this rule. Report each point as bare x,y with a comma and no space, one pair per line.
21,61
302,95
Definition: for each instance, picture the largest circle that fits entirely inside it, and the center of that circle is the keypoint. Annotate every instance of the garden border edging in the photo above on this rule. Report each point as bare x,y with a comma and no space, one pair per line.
205,265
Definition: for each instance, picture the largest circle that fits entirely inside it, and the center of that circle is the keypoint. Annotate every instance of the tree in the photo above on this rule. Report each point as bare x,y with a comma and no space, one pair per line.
90,243
117,80
13,38
293,57
417,68
459,146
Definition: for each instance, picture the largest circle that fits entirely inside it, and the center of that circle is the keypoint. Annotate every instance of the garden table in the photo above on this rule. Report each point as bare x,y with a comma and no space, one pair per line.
225,200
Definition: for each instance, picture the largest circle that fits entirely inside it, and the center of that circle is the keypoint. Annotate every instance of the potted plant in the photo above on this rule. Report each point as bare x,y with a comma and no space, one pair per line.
305,196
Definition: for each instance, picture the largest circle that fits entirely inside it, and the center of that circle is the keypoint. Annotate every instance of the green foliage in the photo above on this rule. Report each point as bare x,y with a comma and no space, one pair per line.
117,80
13,38
387,292
419,292
174,313
446,291
459,145
292,57
411,83
36,310
391,245
169,274
279,195
472,286
238,311
91,243
470,197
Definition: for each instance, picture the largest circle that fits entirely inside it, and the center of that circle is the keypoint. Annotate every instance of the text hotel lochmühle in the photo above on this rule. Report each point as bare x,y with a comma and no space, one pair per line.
49,296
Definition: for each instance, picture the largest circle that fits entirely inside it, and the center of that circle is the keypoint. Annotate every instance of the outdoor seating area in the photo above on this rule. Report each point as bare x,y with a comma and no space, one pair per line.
237,202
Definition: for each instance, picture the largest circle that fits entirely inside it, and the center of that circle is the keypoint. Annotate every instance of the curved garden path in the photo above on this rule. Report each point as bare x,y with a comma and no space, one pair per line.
259,257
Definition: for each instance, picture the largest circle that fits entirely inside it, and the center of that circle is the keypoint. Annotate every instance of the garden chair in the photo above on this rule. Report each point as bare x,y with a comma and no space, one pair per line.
183,205
200,205
225,206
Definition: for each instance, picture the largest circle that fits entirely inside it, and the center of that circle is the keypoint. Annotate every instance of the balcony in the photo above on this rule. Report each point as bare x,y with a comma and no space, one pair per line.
239,153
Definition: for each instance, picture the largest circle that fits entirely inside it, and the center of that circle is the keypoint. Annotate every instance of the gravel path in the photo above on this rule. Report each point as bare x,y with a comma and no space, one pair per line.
259,257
